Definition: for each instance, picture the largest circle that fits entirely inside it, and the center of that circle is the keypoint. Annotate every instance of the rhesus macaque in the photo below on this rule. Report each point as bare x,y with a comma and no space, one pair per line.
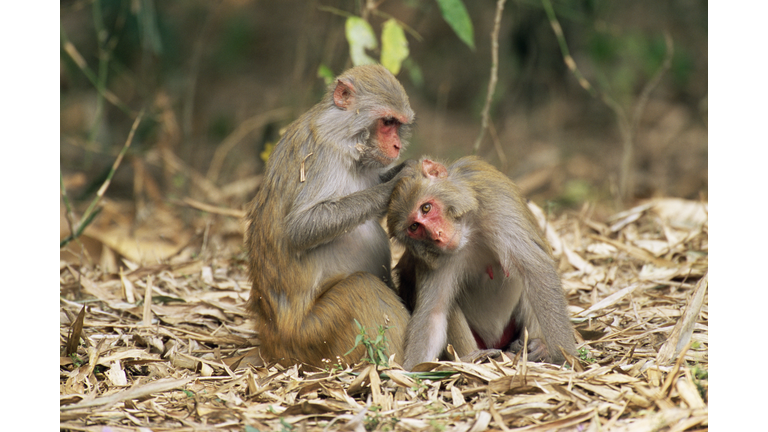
476,270
319,259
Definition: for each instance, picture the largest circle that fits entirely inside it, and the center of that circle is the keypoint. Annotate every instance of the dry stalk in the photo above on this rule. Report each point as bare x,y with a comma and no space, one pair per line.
494,73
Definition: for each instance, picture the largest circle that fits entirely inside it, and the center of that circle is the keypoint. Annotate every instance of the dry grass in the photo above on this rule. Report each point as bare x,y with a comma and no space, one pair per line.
636,286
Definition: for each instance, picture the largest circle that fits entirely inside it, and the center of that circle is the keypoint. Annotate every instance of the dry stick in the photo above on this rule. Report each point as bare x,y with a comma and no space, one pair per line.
564,48
188,98
494,73
177,165
237,136
625,179
225,211
90,212
76,57
627,128
69,214
497,145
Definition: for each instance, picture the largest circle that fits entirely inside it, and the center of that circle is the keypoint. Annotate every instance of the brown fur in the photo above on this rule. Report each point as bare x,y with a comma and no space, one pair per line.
318,257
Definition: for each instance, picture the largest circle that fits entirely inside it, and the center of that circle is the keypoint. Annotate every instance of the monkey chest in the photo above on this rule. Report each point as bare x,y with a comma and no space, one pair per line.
364,248
489,302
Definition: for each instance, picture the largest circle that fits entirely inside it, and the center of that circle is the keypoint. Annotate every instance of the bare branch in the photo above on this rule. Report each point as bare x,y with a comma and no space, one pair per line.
494,73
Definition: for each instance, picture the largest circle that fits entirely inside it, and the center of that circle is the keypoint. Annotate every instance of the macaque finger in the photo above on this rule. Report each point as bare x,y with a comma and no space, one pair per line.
481,355
537,349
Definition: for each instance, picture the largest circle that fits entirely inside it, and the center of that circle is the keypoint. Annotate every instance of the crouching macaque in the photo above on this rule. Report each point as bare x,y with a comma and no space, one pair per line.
319,259
476,270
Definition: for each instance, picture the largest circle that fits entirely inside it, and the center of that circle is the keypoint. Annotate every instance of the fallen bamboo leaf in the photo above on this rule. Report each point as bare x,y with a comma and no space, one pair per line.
158,386
681,334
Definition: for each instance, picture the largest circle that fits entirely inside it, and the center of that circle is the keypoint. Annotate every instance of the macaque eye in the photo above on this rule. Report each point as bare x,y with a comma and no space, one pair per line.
426,207
389,121
414,226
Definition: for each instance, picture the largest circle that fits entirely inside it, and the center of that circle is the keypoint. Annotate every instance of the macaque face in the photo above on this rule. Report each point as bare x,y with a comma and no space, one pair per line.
387,135
428,223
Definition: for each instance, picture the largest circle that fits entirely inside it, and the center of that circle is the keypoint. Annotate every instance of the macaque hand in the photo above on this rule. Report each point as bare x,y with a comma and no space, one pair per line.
481,355
405,168
537,349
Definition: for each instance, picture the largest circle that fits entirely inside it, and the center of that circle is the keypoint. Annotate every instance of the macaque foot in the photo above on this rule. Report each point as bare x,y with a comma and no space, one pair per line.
481,354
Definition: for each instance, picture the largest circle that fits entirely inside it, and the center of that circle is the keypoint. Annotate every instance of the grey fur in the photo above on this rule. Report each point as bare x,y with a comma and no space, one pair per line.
479,197
329,221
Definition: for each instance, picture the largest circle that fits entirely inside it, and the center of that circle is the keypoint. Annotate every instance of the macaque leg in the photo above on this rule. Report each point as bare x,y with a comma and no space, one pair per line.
463,341
328,330
459,333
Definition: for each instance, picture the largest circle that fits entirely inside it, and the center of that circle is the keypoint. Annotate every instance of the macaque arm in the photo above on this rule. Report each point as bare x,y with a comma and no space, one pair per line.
459,333
543,302
409,164
326,220
426,333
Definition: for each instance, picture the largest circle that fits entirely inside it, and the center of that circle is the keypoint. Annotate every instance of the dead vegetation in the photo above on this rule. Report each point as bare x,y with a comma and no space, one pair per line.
636,285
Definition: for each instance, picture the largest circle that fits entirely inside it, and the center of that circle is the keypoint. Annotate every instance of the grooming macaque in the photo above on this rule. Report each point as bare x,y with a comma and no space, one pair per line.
319,259
476,270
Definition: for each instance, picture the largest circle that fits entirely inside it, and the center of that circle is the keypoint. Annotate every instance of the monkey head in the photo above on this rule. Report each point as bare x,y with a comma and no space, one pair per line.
428,211
377,111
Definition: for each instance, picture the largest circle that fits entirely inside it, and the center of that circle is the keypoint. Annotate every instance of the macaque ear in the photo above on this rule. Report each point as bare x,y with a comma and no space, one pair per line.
432,169
344,94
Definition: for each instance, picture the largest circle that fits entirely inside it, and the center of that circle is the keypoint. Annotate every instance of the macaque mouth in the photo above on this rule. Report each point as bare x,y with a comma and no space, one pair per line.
449,244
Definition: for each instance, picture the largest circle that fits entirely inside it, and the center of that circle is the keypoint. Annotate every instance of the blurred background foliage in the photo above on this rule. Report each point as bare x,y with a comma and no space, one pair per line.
220,79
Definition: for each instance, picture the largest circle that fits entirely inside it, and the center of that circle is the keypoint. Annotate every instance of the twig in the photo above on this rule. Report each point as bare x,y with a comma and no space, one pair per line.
405,26
625,176
91,211
645,94
69,215
558,30
497,145
189,202
76,57
188,103
336,11
494,72
627,128
237,135
177,166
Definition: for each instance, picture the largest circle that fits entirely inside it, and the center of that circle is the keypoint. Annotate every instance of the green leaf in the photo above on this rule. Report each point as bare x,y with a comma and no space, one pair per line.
432,375
455,14
360,37
414,72
326,74
394,46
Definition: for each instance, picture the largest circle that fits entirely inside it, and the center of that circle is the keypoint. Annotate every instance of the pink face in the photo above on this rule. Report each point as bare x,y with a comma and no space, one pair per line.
387,136
428,223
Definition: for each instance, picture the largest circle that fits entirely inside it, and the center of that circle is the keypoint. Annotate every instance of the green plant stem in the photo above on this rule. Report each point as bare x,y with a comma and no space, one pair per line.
92,211
76,57
558,30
